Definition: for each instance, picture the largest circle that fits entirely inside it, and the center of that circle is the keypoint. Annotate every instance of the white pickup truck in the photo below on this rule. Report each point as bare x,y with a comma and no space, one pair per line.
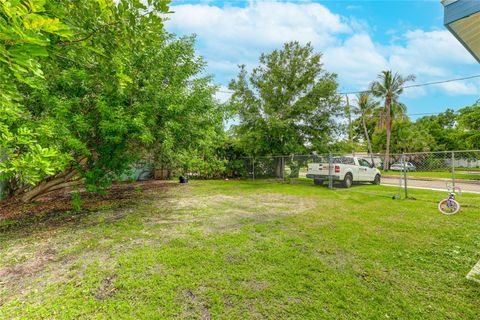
344,169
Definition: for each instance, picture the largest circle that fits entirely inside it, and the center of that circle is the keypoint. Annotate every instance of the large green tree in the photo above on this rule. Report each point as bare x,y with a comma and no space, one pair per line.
287,104
188,120
110,89
454,130
389,87
469,126
95,98
443,127
405,137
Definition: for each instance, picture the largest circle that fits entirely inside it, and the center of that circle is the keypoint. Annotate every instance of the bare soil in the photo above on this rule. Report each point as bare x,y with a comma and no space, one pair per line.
61,201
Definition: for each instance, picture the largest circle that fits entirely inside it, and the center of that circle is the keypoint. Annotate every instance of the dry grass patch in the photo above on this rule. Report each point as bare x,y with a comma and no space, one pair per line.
226,212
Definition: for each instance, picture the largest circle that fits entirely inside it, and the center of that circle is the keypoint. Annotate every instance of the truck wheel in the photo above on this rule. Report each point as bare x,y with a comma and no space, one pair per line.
347,181
318,182
376,180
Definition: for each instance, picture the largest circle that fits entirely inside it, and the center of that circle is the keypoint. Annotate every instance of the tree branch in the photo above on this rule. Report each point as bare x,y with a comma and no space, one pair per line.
67,43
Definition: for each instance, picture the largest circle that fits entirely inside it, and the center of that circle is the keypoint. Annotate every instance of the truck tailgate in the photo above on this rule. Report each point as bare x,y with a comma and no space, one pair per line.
319,168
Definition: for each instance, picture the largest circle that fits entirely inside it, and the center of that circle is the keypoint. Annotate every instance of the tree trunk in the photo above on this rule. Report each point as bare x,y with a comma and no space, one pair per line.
386,163
350,133
295,167
279,167
62,180
67,178
380,120
369,145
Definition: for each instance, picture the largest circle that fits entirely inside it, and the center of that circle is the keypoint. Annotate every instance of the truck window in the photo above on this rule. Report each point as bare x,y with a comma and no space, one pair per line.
364,163
344,160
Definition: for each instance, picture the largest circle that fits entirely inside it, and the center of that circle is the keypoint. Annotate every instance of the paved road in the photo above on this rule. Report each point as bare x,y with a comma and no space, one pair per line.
473,187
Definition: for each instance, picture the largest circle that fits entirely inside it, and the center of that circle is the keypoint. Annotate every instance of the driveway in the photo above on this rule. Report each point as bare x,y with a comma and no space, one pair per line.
471,187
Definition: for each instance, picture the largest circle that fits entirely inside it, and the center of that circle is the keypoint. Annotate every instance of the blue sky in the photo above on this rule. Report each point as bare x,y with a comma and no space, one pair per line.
358,39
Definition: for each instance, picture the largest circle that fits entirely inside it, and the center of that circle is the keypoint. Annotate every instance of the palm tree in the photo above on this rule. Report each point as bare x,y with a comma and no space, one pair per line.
398,111
389,86
365,106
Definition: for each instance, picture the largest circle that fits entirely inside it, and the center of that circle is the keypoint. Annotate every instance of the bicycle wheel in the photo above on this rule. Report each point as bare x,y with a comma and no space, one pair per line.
448,206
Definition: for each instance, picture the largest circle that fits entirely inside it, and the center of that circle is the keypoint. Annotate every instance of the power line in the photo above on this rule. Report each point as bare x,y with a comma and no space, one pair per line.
424,84
405,87
444,81
425,114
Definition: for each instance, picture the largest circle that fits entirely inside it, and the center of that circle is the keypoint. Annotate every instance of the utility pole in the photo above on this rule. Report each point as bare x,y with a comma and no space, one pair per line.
453,170
349,118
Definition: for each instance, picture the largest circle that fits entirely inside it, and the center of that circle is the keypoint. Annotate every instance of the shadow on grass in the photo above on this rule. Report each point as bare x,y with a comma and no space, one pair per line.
56,209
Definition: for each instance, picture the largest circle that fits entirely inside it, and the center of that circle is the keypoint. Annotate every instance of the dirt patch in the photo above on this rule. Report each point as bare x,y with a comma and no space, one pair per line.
217,213
174,210
341,261
226,212
255,285
106,289
61,201
195,308
26,269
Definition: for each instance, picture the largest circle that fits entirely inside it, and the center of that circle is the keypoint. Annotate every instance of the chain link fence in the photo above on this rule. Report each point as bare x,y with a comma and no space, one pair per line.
410,173
459,170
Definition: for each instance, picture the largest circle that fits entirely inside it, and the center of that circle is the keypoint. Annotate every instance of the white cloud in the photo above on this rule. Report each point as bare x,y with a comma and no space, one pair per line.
232,35
357,61
415,92
237,35
460,88
223,94
429,53
260,23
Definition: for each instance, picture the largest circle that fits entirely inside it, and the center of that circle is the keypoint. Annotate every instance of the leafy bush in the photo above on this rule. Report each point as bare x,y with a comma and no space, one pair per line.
76,201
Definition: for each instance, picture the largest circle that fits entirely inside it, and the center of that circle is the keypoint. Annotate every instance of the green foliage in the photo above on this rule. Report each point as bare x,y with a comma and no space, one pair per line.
443,128
188,119
405,137
433,163
287,105
95,85
453,130
389,87
469,125
76,201
234,158
26,31
365,108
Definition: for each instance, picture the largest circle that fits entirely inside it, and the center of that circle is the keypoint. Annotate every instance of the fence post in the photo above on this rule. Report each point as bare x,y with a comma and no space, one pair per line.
283,168
453,170
253,171
330,178
405,175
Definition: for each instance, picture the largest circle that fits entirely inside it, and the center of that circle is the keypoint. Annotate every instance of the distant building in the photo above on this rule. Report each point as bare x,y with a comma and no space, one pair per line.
462,19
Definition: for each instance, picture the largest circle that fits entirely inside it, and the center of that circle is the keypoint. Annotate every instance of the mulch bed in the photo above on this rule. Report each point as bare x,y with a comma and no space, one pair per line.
61,201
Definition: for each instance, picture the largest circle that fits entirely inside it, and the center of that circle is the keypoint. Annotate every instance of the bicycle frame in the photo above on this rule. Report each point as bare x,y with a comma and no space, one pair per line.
451,196
450,202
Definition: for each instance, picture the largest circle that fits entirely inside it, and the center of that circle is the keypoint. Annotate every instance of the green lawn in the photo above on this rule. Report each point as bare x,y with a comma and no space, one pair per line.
241,250
461,175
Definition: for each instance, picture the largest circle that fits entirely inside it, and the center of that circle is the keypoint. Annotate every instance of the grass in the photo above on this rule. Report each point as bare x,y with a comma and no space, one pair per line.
240,250
461,175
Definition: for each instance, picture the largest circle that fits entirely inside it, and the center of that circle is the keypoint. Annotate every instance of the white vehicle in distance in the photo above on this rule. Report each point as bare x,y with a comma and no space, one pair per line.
345,170
398,166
